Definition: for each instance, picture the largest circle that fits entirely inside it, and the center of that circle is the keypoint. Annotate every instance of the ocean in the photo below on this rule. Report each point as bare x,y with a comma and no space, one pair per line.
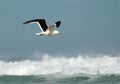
101,69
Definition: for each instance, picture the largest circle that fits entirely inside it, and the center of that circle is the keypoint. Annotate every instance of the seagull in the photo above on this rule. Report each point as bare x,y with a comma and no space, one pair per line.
46,31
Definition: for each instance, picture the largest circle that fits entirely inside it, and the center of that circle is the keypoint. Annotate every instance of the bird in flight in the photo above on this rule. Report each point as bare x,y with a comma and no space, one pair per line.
46,31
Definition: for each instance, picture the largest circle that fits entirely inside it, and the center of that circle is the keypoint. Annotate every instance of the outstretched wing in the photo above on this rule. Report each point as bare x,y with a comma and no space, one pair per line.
41,23
58,23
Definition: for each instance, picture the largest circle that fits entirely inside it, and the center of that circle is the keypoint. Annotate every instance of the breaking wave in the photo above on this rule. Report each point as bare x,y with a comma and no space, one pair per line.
101,65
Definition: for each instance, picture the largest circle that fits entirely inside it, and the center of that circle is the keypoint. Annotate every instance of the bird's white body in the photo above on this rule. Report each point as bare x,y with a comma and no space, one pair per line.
49,32
46,31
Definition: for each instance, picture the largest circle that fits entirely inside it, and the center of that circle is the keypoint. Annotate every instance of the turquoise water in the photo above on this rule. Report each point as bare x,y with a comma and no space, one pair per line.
112,79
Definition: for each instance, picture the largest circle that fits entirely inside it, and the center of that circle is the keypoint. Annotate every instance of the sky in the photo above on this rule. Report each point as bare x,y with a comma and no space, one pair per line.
88,26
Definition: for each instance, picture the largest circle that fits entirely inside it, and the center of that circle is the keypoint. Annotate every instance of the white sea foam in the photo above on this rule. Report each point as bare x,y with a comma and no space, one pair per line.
62,65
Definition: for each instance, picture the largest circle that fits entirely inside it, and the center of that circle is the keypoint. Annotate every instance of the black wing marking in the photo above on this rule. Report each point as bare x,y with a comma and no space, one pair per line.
42,23
58,23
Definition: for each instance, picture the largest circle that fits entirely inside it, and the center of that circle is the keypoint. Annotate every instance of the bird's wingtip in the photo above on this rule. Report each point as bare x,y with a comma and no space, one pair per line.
23,23
58,23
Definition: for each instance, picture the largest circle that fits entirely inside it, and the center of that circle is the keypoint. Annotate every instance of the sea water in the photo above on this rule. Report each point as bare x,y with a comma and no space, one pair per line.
102,69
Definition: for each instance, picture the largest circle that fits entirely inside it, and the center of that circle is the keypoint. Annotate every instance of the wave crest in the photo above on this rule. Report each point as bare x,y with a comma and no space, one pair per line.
62,65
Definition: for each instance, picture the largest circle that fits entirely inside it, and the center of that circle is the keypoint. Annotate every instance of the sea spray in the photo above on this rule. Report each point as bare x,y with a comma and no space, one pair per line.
100,65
